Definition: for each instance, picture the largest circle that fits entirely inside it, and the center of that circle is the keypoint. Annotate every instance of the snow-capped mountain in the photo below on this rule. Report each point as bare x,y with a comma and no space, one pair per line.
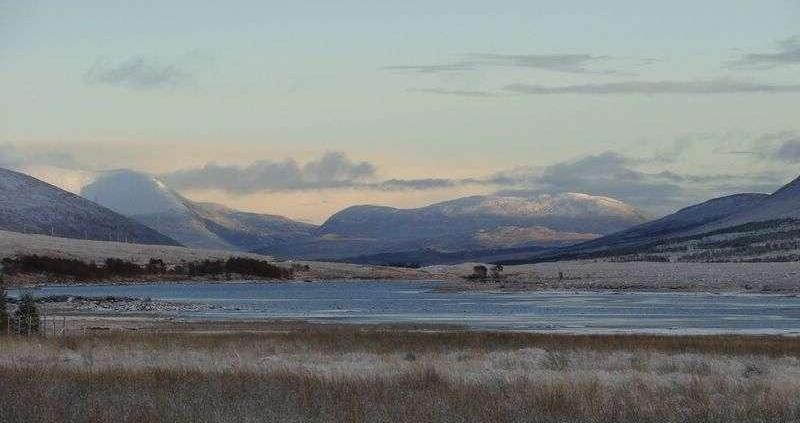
133,193
33,206
150,201
469,223
740,227
574,205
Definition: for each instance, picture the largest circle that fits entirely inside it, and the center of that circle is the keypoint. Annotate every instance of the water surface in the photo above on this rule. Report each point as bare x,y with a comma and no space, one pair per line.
418,302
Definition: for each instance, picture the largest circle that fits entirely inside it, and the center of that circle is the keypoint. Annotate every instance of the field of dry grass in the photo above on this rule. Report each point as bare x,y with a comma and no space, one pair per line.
299,372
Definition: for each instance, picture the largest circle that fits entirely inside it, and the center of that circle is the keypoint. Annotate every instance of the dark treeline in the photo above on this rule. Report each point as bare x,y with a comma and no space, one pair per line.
112,267
653,258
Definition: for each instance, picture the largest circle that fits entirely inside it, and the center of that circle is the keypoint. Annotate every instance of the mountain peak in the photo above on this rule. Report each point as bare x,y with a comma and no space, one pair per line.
569,204
133,193
792,187
33,206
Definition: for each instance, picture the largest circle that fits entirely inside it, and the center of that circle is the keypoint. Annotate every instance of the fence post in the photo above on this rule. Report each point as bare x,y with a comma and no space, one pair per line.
30,323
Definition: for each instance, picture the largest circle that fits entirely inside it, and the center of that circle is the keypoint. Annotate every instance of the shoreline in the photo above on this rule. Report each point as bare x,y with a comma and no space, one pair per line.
83,324
98,310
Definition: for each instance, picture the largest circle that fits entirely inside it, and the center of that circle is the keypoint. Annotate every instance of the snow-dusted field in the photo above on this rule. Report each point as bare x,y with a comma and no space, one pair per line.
588,274
14,244
756,277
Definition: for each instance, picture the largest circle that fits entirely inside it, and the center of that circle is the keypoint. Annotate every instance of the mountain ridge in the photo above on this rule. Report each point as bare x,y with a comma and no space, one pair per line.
738,227
462,224
29,205
150,201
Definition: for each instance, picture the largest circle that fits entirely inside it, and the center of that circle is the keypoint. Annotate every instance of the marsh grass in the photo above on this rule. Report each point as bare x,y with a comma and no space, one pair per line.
307,373
386,339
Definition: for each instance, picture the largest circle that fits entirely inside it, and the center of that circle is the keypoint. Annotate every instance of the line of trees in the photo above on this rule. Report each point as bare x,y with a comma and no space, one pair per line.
113,267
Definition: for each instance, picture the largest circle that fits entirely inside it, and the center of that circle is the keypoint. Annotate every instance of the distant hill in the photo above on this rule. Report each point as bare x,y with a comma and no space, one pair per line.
29,205
149,201
429,257
782,204
475,223
742,227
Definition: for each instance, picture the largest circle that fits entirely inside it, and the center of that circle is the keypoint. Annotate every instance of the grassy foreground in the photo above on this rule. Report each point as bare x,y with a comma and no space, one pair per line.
302,373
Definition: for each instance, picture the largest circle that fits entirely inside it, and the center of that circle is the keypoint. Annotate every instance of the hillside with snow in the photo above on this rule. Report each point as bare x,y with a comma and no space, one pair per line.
470,223
29,205
742,227
150,201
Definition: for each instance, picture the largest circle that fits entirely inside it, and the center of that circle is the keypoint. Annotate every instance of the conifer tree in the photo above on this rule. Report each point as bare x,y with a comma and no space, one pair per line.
26,317
4,324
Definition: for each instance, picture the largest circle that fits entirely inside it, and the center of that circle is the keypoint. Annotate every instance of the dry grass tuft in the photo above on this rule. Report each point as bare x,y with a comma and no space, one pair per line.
306,373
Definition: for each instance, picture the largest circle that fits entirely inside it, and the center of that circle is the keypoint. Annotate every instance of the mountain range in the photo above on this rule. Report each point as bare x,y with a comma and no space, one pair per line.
465,224
125,205
748,227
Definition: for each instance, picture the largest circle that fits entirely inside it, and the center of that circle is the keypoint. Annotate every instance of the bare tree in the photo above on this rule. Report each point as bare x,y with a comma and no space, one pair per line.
497,272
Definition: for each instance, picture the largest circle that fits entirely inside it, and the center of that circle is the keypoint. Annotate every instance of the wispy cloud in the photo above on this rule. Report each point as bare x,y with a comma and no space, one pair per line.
13,157
780,146
568,63
787,53
443,68
417,184
458,93
788,151
714,86
137,72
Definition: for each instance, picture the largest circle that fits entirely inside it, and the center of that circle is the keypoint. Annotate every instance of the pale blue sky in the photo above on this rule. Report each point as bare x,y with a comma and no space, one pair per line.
420,89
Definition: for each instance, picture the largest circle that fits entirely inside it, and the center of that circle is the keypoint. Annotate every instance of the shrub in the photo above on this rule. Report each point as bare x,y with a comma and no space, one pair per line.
4,323
156,266
248,266
26,317
119,267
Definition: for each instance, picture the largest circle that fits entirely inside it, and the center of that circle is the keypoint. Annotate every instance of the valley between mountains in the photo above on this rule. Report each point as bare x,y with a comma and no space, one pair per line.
744,242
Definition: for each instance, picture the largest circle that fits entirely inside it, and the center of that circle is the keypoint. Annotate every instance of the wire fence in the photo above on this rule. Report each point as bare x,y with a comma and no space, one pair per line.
46,326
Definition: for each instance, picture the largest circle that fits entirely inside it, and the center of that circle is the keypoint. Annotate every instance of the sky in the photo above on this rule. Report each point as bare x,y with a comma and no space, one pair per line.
304,108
